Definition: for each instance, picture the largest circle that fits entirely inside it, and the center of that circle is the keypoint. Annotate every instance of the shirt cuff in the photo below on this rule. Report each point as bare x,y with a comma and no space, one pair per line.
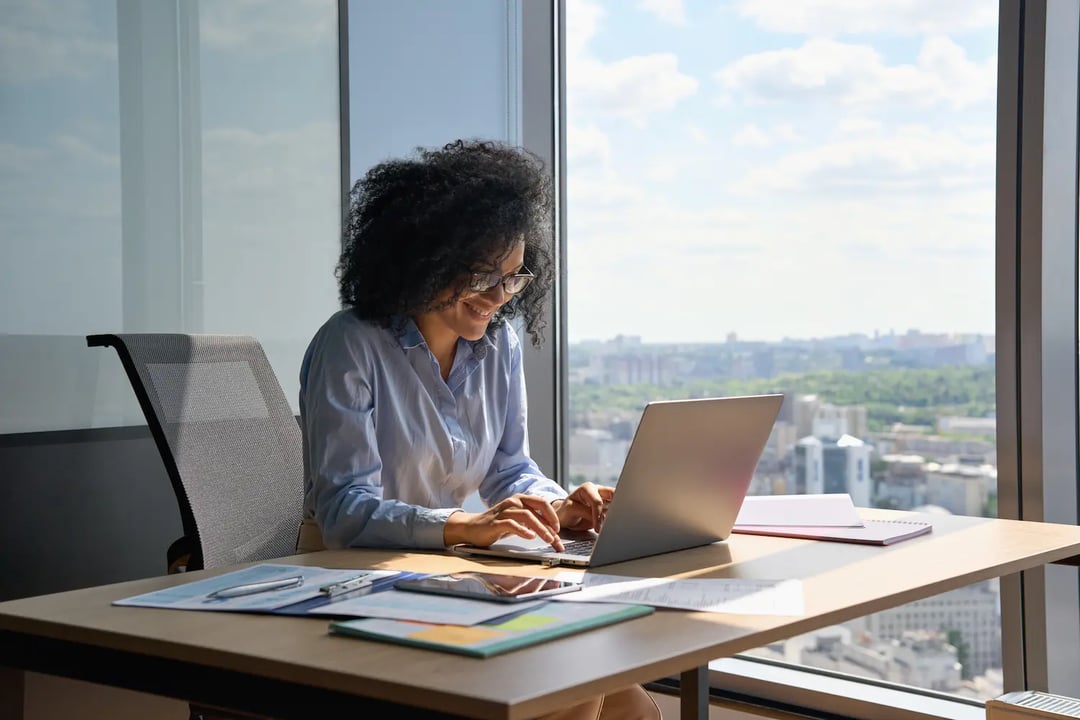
548,490
429,527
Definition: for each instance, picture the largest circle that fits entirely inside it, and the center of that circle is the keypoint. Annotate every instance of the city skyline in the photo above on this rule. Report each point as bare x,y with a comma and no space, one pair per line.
730,337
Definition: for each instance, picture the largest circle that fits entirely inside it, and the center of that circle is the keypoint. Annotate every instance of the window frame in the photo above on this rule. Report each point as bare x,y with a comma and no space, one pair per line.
1037,294
1036,288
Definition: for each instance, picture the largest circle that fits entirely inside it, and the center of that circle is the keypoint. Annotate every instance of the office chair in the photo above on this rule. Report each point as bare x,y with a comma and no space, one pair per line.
229,441
230,444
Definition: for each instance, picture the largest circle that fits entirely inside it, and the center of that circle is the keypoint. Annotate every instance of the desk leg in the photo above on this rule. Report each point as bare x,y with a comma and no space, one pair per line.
12,693
694,694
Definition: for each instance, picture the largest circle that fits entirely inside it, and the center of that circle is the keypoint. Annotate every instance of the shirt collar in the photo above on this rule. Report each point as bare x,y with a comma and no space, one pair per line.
481,347
407,333
409,336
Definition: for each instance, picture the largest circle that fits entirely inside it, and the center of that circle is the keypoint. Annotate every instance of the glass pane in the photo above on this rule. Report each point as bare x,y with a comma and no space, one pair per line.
165,167
799,197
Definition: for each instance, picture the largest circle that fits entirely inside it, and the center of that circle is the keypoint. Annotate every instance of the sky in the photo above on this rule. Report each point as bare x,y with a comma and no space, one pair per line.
779,169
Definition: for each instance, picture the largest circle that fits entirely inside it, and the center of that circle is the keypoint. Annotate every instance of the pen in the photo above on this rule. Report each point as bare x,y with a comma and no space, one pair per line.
354,583
257,587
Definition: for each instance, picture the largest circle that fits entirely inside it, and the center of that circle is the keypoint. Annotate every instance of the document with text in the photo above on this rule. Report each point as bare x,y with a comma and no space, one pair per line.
719,595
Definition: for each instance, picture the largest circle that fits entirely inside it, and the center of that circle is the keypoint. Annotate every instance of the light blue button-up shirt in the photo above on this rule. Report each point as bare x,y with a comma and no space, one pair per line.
391,450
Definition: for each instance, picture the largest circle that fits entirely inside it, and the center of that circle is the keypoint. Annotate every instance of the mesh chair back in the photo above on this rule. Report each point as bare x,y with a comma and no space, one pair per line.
228,438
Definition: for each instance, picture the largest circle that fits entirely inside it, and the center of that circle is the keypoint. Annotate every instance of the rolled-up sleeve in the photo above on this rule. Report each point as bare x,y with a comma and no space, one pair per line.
342,456
512,470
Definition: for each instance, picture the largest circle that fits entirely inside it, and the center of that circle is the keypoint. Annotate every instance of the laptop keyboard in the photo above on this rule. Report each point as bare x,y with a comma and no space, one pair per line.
578,547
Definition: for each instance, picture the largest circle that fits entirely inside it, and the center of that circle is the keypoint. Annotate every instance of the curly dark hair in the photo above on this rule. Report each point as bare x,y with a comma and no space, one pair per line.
419,226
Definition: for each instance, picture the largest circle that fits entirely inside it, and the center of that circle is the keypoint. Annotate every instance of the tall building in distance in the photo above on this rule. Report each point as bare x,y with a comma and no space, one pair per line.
840,465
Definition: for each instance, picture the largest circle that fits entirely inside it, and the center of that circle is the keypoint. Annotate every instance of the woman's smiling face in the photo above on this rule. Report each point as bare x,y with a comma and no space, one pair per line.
469,315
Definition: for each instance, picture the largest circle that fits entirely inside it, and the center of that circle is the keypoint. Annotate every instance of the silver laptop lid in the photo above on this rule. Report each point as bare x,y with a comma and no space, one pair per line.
684,479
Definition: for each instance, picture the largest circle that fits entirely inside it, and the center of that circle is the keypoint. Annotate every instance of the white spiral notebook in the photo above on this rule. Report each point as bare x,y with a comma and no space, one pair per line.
873,532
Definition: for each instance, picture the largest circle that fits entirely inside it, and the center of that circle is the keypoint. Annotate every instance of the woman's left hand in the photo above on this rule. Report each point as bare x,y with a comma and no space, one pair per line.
585,508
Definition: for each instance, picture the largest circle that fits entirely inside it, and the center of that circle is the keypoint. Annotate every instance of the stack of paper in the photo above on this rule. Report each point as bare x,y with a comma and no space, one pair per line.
821,517
825,510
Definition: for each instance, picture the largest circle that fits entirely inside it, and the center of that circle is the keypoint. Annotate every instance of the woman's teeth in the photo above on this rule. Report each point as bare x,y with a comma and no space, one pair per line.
481,313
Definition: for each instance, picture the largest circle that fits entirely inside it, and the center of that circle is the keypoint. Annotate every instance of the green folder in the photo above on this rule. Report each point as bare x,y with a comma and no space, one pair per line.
515,630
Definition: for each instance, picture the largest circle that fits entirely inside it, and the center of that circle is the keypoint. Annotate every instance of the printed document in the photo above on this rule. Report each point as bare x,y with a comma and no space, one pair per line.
719,595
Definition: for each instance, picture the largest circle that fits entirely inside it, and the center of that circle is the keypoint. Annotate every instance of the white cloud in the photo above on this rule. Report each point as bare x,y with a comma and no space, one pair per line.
582,20
669,11
610,210
39,46
587,146
263,27
826,71
64,16
859,126
62,182
83,151
697,134
631,88
242,160
752,135
905,17
779,268
911,160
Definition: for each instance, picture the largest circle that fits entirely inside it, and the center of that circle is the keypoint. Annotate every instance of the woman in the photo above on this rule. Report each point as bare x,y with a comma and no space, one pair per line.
413,397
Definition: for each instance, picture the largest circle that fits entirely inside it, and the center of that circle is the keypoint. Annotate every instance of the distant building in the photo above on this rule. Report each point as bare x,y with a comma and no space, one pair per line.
905,439
857,420
634,368
833,466
805,409
807,471
830,421
904,484
778,448
846,469
968,425
973,611
833,421
925,659
962,489
921,658
596,456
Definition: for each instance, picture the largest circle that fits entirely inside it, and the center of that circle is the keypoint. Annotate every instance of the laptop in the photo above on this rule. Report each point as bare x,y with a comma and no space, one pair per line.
683,481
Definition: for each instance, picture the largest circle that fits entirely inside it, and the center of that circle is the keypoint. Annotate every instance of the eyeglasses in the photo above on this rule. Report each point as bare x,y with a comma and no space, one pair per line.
512,284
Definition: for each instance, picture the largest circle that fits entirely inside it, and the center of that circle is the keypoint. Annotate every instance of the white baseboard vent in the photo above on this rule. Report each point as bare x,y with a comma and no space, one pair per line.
1032,705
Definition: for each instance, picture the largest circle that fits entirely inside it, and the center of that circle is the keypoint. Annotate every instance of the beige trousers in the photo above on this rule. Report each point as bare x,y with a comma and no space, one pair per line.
633,703
309,537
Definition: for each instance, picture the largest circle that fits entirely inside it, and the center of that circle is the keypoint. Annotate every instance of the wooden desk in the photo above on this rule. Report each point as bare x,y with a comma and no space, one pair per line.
284,666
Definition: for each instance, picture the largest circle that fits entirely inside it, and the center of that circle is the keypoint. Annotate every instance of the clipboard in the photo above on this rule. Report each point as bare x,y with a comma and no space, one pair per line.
297,599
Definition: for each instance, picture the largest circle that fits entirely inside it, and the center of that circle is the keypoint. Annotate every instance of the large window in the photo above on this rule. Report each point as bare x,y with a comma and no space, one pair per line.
798,197
165,167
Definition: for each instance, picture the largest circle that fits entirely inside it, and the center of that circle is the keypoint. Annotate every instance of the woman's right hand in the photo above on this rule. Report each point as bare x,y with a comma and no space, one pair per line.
526,516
